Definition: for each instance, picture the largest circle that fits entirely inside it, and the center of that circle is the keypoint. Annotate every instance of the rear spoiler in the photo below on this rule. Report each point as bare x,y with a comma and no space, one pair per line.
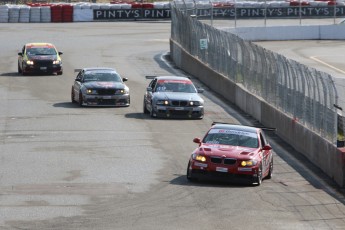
262,127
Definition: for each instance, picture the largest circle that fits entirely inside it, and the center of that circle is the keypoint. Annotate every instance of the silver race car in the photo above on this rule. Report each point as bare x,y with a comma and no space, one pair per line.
173,97
100,87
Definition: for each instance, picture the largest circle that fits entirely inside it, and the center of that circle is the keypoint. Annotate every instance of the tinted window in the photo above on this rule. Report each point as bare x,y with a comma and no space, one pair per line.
232,137
40,51
102,76
175,86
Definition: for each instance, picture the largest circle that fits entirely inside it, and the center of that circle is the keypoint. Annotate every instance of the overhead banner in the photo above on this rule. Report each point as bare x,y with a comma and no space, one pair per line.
230,13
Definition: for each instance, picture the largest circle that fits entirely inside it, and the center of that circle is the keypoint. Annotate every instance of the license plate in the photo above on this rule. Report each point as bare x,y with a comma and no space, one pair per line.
43,68
179,108
221,169
106,97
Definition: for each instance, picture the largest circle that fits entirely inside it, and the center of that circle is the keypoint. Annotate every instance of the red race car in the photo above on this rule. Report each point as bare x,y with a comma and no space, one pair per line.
234,153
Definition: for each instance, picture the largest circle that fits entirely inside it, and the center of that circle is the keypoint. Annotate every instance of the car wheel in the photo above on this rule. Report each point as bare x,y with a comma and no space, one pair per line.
72,95
59,73
270,172
259,176
19,69
189,173
152,113
23,71
80,99
144,108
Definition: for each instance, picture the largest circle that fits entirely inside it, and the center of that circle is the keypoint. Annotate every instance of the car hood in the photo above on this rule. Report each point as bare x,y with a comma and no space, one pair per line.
43,57
104,84
228,151
177,96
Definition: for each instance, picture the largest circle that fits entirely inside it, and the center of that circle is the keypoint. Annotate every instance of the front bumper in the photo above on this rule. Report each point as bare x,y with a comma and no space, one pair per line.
42,69
223,173
179,112
107,100
224,177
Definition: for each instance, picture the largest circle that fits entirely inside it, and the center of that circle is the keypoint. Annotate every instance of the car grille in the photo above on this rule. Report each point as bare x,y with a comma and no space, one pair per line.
220,160
179,103
43,62
106,91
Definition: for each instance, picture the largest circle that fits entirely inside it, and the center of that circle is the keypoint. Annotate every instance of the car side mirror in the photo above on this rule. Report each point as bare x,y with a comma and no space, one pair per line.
149,89
197,140
78,79
124,79
266,147
200,90
20,54
60,53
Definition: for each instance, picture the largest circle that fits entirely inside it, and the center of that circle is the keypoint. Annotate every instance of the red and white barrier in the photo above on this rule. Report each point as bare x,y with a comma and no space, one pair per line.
83,12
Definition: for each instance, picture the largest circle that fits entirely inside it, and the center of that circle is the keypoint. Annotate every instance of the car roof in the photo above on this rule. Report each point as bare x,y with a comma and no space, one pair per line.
172,78
235,127
107,69
40,44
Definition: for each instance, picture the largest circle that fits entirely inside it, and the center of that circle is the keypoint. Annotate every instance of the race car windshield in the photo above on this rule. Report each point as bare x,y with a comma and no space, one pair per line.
175,87
40,51
234,139
101,76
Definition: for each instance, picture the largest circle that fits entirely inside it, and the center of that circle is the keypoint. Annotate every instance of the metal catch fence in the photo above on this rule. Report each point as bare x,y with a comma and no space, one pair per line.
299,91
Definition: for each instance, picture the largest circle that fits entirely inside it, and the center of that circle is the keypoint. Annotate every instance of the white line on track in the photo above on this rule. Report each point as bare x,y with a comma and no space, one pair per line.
326,64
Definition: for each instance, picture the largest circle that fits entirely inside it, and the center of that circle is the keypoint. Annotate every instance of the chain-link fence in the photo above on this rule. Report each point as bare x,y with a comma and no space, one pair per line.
305,94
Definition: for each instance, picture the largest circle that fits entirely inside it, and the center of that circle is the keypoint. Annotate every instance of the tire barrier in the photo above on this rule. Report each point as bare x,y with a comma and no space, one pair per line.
88,12
67,13
56,13
4,14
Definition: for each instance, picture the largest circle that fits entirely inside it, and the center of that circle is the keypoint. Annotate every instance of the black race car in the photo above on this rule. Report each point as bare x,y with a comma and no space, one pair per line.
39,58
100,87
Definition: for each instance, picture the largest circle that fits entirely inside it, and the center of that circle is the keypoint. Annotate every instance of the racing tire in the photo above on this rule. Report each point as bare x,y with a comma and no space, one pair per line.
19,69
152,114
270,172
189,174
72,95
145,110
80,102
259,176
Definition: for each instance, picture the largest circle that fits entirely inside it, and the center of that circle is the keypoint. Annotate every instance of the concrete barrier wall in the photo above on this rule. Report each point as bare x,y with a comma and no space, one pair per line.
320,152
311,32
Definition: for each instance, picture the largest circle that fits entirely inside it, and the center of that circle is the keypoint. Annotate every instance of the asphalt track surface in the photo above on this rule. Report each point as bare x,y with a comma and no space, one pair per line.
66,167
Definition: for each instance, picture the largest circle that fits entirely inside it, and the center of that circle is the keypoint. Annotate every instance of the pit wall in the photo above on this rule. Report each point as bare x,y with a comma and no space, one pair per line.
323,154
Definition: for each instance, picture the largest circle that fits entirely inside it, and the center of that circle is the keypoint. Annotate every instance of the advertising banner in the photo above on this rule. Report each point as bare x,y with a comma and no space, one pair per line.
230,13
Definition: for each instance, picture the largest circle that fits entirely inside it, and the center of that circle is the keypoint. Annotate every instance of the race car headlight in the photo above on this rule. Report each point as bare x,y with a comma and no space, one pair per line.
91,91
29,62
122,91
162,102
56,62
248,163
200,158
195,103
